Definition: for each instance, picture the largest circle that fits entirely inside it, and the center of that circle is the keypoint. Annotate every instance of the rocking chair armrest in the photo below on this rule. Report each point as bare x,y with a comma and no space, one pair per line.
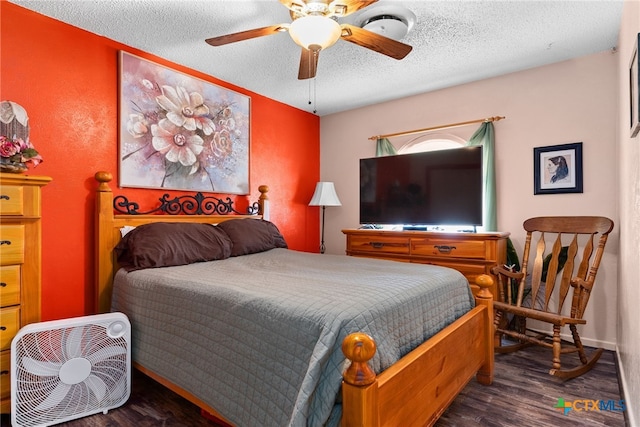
577,282
497,270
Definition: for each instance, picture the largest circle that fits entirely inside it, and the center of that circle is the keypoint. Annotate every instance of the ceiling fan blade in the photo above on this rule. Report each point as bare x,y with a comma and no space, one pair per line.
373,41
308,64
245,35
337,8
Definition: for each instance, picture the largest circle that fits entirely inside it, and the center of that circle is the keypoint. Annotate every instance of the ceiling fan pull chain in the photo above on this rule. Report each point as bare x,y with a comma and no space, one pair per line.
315,105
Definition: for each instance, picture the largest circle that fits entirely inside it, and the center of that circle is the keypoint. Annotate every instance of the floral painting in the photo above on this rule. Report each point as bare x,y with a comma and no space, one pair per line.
178,132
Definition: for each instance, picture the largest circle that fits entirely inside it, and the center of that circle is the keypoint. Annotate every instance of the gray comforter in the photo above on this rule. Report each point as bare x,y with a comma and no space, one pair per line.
258,337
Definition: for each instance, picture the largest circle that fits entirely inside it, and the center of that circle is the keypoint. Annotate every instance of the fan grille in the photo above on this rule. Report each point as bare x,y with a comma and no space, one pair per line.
68,372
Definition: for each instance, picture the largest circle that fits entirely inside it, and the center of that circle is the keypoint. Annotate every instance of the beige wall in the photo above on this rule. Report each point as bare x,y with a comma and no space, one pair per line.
585,100
572,101
628,159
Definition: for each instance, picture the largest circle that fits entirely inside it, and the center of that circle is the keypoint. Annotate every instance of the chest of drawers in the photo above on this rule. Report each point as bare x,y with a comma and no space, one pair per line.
472,254
20,264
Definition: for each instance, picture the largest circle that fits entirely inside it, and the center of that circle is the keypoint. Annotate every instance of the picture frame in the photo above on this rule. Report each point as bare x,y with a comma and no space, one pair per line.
634,94
557,169
179,132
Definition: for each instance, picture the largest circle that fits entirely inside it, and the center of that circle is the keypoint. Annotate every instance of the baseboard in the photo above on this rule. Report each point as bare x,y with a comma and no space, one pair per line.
587,342
630,409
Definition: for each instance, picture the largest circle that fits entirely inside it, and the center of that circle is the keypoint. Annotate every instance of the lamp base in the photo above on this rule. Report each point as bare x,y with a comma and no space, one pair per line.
322,247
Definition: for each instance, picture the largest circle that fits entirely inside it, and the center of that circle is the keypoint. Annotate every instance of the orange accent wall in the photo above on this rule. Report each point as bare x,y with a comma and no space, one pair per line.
67,79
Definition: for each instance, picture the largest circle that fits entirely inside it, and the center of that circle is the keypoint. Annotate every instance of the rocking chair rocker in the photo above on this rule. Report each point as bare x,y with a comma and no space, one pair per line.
565,236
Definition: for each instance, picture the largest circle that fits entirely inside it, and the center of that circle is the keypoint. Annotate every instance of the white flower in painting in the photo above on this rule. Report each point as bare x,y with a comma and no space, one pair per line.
146,83
176,144
137,125
185,109
221,144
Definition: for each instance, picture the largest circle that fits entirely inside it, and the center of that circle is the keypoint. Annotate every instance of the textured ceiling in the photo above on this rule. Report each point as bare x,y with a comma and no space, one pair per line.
454,42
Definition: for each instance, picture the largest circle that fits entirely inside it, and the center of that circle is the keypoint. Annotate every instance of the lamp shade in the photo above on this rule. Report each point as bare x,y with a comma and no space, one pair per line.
311,31
325,195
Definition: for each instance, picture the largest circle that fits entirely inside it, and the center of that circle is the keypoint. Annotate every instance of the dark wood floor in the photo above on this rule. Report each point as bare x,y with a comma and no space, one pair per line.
522,395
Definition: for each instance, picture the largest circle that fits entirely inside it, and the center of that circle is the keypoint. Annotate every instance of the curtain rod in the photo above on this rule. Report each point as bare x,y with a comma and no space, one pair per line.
452,125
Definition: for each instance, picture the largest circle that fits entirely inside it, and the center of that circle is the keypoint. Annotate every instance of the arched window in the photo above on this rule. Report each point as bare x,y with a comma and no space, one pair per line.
433,142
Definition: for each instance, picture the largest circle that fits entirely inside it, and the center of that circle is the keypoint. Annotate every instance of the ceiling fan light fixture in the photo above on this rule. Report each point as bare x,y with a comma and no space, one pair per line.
339,10
315,30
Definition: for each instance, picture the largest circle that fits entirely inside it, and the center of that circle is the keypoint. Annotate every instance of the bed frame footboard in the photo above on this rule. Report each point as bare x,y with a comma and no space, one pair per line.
417,389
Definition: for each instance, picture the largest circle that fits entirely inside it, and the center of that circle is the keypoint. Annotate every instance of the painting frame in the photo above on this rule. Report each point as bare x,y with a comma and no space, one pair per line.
180,132
557,169
634,93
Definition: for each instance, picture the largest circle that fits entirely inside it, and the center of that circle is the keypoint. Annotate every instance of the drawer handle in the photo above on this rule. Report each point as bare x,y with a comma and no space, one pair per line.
5,242
3,328
5,372
377,245
3,285
4,197
444,249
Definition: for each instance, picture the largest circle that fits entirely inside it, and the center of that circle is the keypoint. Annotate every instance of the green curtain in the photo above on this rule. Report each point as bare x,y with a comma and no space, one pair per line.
484,136
384,148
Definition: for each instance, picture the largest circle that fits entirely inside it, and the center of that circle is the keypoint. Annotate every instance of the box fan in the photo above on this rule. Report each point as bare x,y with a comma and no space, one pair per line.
67,369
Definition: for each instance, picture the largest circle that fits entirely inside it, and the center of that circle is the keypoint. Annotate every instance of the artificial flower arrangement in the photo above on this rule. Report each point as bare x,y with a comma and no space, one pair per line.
15,148
17,151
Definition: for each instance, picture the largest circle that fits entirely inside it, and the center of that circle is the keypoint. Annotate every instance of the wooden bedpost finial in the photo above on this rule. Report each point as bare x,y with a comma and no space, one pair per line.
485,282
263,202
359,348
103,178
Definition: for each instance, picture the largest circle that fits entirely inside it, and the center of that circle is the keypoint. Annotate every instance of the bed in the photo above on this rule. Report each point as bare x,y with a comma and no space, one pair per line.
230,346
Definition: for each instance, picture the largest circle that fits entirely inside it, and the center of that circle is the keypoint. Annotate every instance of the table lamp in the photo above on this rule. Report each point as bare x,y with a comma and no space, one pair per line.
325,195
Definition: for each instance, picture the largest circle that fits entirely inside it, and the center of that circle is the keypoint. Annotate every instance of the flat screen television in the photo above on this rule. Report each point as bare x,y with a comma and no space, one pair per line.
423,190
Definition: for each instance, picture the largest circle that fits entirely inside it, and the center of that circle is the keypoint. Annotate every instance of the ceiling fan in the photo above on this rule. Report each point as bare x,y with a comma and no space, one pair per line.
315,27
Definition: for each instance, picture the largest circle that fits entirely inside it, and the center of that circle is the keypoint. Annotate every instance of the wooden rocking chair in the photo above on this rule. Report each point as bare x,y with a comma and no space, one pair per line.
560,270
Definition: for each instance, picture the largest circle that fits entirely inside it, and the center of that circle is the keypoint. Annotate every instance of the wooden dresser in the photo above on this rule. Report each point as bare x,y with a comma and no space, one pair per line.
20,264
470,253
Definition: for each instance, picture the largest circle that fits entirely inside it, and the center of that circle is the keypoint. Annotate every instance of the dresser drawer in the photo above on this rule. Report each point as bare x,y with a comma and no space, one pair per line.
9,325
11,244
5,379
11,200
448,248
379,244
9,285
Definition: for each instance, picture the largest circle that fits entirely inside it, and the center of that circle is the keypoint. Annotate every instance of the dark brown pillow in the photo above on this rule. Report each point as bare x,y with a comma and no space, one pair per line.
250,236
278,238
164,244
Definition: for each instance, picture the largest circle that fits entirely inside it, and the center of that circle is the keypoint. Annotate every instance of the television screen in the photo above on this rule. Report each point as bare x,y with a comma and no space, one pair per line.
433,188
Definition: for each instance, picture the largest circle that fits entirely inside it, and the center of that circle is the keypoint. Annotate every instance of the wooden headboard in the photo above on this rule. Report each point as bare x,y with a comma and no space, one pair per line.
108,224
